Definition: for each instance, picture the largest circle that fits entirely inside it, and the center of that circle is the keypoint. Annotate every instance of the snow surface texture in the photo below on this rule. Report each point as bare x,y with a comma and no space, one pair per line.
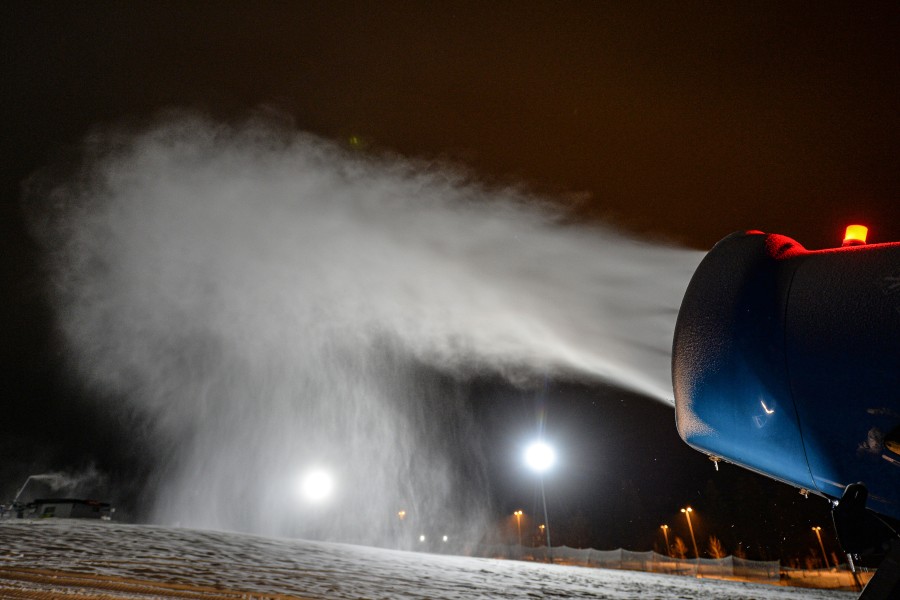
336,571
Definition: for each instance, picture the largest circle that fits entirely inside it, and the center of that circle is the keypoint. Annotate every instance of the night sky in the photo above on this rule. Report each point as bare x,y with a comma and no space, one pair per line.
679,122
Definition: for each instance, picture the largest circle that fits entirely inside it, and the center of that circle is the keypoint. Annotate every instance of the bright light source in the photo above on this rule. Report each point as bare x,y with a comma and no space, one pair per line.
317,485
445,538
421,538
540,456
856,235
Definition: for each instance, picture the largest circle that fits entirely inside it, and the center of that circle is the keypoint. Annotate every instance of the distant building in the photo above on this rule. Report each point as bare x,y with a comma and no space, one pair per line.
68,508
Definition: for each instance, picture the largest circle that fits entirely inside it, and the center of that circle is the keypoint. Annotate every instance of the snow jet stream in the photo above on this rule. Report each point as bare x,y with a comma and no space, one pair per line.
277,304
70,484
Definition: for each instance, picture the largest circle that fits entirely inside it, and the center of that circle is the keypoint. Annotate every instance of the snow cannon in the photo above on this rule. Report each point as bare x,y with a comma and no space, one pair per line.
786,361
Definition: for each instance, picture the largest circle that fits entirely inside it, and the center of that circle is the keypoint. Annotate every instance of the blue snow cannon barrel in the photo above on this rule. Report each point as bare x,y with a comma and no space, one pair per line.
787,362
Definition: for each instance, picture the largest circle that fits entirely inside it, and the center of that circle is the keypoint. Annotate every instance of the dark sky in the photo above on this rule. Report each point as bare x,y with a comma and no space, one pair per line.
678,121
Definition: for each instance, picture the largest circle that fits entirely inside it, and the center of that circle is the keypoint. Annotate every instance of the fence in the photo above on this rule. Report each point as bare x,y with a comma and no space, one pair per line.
827,579
730,567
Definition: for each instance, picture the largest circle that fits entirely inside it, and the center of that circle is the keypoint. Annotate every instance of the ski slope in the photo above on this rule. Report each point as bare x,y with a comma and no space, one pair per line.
44,559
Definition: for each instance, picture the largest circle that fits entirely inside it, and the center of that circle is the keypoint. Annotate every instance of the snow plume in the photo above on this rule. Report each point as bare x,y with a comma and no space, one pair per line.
278,304
60,483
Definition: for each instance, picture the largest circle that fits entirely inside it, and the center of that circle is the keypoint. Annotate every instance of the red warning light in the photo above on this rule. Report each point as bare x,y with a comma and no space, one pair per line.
855,235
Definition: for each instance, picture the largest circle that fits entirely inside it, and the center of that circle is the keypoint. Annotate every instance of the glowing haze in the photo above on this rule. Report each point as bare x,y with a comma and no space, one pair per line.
275,303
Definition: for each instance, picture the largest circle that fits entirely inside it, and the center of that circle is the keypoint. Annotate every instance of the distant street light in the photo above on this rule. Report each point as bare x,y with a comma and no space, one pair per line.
687,513
665,529
401,514
518,515
818,531
316,486
540,456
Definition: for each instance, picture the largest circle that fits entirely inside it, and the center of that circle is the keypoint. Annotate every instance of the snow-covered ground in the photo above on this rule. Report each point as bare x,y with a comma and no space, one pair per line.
266,567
